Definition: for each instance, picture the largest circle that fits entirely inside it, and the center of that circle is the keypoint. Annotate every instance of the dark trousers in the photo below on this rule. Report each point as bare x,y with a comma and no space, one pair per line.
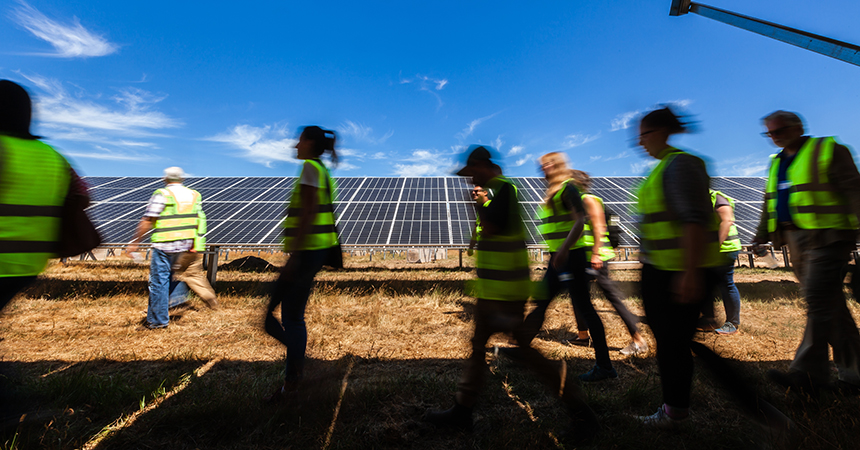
498,316
580,295
616,298
292,291
11,286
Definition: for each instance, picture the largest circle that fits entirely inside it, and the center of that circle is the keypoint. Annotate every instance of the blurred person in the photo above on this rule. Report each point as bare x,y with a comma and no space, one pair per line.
34,183
562,222
812,204
502,288
479,196
310,238
730,246
595,240
175,215
678,247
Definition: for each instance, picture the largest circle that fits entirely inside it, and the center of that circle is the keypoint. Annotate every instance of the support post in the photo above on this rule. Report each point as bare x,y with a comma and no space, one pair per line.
785,257
212,270
460,251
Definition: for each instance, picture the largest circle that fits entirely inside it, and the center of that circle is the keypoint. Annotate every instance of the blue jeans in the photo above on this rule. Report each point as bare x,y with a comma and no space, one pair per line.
164,293
292,291
729,292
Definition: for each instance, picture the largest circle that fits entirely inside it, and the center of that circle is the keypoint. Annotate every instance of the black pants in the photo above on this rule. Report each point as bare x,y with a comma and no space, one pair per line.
580,294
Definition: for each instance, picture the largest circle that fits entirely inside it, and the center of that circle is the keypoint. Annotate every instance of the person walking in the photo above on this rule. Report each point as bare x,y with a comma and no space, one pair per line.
310,238
502,288
595,241
812,204
730,246
679,245
175,215
35,182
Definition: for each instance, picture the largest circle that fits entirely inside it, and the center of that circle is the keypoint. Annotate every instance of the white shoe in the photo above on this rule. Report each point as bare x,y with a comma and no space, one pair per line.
661,420
634,349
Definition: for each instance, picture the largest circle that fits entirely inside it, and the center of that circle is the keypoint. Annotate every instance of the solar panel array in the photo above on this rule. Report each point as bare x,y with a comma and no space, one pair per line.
372,211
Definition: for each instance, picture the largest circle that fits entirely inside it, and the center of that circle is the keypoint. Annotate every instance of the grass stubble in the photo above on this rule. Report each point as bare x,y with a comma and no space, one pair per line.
384,344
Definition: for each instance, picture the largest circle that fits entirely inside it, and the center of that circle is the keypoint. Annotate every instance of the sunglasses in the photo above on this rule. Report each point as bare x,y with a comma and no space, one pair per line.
777,131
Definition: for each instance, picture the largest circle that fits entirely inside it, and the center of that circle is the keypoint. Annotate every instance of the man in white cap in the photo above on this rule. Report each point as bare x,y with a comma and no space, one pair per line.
175,215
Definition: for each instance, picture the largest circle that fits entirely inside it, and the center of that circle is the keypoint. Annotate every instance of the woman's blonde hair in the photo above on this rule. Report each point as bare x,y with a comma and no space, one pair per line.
562,173
581,180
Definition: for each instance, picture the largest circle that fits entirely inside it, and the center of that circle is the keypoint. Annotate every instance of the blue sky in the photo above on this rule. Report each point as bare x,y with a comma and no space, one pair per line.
220,88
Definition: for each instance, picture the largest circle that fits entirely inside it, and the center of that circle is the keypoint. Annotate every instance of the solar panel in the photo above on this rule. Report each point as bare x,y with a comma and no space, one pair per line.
372,211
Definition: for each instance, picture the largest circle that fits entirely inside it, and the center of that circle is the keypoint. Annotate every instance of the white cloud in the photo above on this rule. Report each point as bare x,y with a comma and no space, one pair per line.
69,41
758,170
594,158
497,143
378,155
523,160
575,140
623,121
109,155
428,84
639,168
516,150
622,155
134,116
361,132
474,124
423,163
263,145
346,166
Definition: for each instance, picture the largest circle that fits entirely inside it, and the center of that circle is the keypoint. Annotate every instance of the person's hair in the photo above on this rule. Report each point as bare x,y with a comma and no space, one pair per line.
791,119
561,174
665,118
323,141
581,179
15,110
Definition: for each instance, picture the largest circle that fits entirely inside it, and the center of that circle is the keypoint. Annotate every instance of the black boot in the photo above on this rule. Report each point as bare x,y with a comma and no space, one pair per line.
458,417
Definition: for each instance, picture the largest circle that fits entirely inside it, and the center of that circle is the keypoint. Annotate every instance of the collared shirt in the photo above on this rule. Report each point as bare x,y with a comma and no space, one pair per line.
154,208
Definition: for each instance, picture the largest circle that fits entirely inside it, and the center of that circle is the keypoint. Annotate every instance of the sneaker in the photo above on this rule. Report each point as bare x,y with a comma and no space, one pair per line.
598,373
661,420
212,304
151,326
727,328
634,349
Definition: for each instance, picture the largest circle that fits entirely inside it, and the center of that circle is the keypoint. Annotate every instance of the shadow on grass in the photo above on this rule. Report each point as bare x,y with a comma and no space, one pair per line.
381,406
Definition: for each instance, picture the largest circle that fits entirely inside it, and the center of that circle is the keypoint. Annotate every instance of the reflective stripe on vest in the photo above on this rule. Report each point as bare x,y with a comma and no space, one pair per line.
502,259
554,221
587,238
180,220
478,228
812,200
34,180
733,240
322,233
661,233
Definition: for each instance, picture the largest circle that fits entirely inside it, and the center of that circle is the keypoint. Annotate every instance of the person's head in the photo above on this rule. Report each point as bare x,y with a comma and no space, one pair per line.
581,180
783,127
15,110
173,175
314,141
655,129
479,195
479,166
553,165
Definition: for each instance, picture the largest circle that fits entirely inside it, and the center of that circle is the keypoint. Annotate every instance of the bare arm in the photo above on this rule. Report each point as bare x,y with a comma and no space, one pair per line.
727,219
598,228
143,227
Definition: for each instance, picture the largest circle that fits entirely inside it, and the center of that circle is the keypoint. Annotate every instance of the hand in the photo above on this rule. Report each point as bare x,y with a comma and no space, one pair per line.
469,251
596,262
687,287
560,259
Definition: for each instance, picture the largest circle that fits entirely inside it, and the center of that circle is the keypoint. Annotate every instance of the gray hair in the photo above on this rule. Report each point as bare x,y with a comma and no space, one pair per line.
174,174
791,119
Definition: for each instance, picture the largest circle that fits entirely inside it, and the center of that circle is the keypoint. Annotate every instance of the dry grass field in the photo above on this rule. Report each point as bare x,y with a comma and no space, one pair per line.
385,344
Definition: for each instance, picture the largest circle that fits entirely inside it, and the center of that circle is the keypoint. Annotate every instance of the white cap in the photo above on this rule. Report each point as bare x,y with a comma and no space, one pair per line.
174,174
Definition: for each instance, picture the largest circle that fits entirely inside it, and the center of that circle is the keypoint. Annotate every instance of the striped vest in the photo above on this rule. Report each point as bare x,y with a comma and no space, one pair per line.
733,240
182,218
322,233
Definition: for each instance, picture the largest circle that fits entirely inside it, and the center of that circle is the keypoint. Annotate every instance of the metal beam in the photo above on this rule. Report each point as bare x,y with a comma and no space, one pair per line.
826,46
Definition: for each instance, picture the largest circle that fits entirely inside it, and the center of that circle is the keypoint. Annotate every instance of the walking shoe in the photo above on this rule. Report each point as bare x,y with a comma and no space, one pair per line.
797,381
661,420
598,373
282,393
150,326
634,349
458,417
212,304
727,328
